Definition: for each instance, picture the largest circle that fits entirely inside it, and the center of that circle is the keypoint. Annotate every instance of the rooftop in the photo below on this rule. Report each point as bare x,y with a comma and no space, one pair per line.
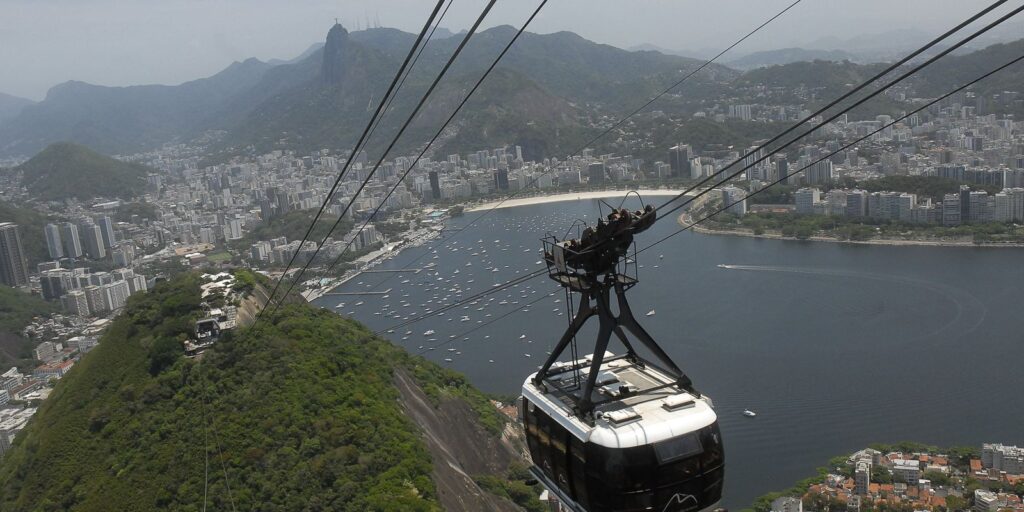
634,404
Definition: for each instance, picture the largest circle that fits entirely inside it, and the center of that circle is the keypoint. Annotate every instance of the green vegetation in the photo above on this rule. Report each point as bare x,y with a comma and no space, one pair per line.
31,224
932,187
704,135
513,487
776,194
292,225
803,227
141,208
542,124
246,280
300,414
17,309
219,257
65,170
391,229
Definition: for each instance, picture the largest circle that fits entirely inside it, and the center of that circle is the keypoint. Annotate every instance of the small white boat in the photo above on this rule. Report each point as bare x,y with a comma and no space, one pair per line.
428,332
447,360
748,413
650,313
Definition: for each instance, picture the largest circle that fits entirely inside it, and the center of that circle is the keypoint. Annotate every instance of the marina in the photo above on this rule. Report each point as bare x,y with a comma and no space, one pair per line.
926,312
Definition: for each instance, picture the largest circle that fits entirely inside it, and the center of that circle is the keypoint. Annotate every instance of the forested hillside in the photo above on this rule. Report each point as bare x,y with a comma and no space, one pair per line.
300,414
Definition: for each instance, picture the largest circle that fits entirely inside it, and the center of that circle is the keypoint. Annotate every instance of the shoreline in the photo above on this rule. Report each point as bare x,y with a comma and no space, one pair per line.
682,221
569,196
384,255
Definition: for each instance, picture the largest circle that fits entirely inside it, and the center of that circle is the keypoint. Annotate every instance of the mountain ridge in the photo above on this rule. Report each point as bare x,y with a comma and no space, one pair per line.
11,106
129,119
65,170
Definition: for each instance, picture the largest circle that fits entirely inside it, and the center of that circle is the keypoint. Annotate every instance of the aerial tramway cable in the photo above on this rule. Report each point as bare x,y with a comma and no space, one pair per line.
405,125
409,70
773,183
844,148
348,162
599,136
847,95
844,110
438,133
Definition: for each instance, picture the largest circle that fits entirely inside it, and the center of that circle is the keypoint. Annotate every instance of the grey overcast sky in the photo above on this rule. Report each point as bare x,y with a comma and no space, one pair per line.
127,42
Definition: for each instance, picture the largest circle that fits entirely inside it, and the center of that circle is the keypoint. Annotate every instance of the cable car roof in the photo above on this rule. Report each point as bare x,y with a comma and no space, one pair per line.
636,419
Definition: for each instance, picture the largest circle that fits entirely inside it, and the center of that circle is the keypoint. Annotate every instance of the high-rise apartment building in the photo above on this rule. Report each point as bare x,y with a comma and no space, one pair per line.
72,244
13,265
107,229
53,242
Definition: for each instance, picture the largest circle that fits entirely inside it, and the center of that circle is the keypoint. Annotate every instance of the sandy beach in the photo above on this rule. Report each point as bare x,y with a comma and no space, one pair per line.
571,196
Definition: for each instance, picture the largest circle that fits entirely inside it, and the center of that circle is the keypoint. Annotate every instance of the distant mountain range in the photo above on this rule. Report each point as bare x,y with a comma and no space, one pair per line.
787,56
545,96
321,98
11,106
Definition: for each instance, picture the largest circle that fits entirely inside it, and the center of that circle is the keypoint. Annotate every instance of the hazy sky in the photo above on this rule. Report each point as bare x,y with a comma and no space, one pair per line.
125,42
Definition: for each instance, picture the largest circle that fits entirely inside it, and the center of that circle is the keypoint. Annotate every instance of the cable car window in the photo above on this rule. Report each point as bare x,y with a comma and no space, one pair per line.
711,439
686,445
577,470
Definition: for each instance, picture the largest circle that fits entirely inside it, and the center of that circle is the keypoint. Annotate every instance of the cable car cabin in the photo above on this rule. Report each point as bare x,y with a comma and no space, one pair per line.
650,446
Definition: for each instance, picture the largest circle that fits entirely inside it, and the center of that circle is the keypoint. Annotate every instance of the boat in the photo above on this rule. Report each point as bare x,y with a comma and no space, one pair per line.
650,313
428,332
748,413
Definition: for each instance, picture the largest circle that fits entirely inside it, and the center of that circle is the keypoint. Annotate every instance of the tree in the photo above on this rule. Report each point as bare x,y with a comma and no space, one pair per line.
937,477
955,503
881,475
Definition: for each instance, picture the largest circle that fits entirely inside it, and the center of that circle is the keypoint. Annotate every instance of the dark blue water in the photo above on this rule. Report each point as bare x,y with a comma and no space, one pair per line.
834,346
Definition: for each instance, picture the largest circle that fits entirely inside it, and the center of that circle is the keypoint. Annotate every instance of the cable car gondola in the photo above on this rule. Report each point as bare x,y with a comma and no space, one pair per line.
617,432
